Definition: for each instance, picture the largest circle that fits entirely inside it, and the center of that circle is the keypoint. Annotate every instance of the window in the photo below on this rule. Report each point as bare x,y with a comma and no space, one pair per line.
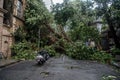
6,6
19,9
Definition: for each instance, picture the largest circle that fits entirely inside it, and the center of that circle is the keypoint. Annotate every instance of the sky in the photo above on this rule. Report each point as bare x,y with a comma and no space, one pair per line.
48,3
57,1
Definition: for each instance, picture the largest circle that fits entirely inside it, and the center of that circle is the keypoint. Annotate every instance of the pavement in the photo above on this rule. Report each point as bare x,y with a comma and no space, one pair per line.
62,68
7,62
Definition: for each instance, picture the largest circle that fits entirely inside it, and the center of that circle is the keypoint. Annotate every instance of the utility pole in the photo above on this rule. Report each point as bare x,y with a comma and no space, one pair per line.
39,46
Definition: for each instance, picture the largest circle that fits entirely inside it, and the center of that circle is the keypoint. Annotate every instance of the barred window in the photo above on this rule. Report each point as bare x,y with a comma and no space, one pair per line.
19,9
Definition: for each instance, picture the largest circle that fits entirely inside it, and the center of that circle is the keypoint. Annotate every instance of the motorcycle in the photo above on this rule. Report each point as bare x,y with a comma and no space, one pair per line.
42,57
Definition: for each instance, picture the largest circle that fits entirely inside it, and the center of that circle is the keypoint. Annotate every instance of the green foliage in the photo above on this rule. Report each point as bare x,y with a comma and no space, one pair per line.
79,51
81,23
109,7
36,17
84,33
51,50
23,50
57,48
28,37
25,55
102,57
20,34
78,16
115,50
36,13
62,13
109,10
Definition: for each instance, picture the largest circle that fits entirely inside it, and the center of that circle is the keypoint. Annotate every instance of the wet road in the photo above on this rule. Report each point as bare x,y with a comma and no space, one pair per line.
61,68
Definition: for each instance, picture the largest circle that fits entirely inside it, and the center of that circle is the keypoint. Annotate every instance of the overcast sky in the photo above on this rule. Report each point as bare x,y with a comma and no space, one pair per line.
49,4
57,1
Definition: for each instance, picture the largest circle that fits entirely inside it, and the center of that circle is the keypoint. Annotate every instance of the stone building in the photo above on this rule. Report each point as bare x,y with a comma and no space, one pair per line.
11,17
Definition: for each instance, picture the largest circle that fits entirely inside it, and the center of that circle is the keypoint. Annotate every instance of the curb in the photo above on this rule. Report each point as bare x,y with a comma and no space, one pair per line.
7,64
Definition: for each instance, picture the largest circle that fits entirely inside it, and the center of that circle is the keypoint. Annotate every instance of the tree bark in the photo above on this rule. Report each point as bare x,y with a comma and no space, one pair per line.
111,26
58,35
64,34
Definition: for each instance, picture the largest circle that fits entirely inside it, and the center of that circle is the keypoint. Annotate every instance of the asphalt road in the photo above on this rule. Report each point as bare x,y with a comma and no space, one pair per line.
61,68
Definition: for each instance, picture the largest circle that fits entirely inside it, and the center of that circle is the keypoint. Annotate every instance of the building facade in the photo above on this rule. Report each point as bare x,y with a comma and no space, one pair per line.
11,18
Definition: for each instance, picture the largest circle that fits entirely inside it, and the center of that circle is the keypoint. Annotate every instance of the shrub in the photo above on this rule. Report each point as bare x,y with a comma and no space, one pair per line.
78,50
23,50
51,50
115,51
25,54
102,57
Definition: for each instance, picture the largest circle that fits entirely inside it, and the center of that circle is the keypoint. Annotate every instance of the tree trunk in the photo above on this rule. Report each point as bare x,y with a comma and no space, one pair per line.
111,26
58,35
64,34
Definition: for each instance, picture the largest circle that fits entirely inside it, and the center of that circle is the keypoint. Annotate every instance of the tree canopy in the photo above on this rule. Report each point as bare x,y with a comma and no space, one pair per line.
73,22
109,10
78,16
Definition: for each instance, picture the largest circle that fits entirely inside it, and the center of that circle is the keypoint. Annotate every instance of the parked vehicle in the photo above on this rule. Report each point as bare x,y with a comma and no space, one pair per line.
42,56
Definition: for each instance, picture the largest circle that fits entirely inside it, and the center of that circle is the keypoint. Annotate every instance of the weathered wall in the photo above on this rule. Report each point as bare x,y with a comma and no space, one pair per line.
18,21
6,42
1,23
6,38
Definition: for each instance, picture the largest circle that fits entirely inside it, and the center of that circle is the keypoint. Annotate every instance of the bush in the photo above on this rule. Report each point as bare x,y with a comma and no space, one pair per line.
26,54
57,48
102,57
79,51
23,50
115,51
50,50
